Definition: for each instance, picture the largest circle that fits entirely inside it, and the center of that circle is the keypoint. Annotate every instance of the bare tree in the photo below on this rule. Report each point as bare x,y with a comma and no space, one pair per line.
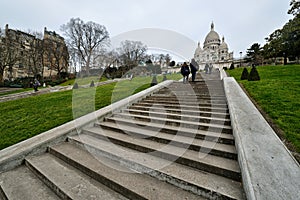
132,53
35,53
57,55
87,39
108,59
10,50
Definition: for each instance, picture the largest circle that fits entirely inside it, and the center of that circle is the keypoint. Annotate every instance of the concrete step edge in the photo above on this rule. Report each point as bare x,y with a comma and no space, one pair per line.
190,112
115,175
205,108
160,112
94,174
58,191
183,177
70,182
188,97
22,183
199,96
194,100
2,194
179,123
198,145
209,163
184,103
222,138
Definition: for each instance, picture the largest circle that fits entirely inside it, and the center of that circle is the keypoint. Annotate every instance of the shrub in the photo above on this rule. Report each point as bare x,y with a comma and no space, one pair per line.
172,63
231,66
75,86
225,68
154,81
92,84
245,74
253,76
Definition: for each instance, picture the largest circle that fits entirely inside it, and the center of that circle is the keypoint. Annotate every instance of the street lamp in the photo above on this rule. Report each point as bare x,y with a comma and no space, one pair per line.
241,58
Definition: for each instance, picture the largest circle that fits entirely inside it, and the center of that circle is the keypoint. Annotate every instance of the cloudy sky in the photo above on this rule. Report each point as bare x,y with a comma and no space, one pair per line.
241,22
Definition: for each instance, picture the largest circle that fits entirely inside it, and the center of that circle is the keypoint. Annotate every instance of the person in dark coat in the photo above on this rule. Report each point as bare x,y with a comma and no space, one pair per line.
185,71
36,84
194,68
206,68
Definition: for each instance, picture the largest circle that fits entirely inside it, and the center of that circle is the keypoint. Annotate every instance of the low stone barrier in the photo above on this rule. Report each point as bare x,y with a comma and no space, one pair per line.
269,171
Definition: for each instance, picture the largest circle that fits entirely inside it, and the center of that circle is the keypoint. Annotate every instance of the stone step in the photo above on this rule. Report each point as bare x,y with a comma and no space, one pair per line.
219,128
130,113
183,102
179,111
212,93
118,177
201,85
197,89
184,131
67,181
184,107
162,114
198,84
200,145
203,161
187,98
180,99
188,93
196,181
21,183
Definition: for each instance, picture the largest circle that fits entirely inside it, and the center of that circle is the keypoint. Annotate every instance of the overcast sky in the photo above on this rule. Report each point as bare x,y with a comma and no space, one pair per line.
241,22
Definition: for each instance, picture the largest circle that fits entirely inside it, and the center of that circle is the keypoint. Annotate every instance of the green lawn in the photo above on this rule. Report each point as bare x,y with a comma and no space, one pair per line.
23,118
278,94
83,81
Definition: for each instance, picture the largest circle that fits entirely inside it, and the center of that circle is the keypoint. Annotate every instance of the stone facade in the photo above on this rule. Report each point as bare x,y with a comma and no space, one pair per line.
214,51
33,54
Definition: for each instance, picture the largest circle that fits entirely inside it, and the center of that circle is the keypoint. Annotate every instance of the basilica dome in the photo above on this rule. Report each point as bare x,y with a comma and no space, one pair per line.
212,37
223,44
214,51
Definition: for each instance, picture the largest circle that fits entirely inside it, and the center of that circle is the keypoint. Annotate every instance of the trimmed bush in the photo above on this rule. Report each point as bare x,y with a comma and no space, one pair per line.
75,86
231,66
92,84
154,81
245,74
253,76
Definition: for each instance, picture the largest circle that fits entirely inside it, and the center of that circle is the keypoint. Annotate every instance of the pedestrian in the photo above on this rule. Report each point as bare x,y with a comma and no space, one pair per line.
210,68
206,68
185,71
36,84
194,68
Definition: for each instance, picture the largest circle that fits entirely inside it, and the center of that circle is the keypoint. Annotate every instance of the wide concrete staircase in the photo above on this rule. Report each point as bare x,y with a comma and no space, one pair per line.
175,144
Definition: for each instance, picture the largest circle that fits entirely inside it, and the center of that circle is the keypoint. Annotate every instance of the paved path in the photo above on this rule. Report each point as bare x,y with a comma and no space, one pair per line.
20,95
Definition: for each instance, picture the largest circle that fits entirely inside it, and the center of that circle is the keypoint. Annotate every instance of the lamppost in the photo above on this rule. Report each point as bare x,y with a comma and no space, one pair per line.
241,58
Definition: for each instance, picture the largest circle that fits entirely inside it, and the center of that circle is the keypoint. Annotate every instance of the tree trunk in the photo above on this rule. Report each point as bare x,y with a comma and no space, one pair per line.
1,76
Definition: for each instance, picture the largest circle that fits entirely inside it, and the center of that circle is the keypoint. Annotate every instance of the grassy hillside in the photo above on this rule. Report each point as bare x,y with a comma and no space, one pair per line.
23,118
278,94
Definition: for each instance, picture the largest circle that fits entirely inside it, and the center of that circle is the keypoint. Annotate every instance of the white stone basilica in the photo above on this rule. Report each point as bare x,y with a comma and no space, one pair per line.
214,51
